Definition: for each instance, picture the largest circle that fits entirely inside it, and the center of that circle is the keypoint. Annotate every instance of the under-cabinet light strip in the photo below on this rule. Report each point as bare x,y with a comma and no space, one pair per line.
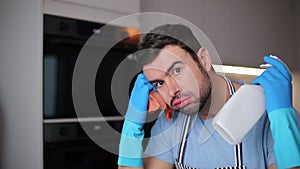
238,70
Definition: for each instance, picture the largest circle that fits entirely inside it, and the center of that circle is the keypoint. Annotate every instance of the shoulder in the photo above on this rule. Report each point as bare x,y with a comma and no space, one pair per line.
162,124
164,137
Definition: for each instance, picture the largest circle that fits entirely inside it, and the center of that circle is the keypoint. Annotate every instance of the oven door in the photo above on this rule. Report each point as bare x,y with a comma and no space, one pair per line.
64,39
66,144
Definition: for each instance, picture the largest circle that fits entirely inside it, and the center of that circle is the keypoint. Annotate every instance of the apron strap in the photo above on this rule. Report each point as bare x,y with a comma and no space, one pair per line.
237,148
230,86
238,155
184,134
242,167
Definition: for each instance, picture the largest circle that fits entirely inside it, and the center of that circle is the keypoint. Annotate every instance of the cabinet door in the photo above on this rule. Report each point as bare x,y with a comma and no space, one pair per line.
103,11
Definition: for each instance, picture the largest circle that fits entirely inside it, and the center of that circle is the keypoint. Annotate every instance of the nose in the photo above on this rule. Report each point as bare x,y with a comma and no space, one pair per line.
173,87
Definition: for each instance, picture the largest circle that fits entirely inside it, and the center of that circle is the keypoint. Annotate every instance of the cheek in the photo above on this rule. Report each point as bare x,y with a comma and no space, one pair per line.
189,82
164,94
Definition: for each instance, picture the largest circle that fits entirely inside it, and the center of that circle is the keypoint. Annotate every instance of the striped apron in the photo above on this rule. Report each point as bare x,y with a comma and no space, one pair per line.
186,126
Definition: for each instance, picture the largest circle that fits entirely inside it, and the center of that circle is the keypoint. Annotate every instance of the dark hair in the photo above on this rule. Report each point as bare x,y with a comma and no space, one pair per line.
169,34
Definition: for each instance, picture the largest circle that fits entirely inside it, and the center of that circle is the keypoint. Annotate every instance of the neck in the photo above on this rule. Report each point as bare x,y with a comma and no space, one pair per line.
219,95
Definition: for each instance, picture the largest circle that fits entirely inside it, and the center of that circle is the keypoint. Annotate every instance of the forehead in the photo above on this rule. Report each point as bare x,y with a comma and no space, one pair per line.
167,56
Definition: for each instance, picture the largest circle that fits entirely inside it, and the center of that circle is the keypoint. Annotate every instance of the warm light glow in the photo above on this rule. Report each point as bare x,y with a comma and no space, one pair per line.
133,35
132,31
238,70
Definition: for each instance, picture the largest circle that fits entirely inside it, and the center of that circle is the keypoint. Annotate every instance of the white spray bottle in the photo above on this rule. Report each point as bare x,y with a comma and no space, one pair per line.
240,113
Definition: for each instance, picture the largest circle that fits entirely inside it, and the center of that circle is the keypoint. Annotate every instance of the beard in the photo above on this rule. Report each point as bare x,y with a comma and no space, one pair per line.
199,102
192,108
197,105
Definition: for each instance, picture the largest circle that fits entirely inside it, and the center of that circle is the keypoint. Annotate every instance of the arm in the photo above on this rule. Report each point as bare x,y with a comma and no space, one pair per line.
155,163
125,167
286,137
130,147
152,163
277,85
273,166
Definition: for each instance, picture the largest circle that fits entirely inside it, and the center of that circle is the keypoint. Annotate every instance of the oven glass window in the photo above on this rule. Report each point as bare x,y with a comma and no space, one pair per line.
66,144
63,41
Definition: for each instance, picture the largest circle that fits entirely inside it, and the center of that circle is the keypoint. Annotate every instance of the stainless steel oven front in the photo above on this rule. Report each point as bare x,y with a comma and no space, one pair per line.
66,144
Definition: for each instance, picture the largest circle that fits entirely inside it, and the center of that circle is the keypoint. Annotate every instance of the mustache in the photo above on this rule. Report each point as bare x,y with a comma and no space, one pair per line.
180,95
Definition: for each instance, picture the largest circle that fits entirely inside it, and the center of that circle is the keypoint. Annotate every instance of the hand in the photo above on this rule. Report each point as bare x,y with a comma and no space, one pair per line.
130,148
138,102
277,85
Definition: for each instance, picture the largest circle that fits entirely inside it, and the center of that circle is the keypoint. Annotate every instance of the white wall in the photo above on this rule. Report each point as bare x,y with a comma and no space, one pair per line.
104,11
21,84
297,8
297,72
242,31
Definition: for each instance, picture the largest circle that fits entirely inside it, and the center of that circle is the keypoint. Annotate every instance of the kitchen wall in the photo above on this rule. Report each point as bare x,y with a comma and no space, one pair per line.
243,31
21,84
297,72
297,8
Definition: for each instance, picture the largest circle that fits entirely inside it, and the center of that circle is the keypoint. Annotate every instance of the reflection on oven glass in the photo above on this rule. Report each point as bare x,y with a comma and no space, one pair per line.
66,145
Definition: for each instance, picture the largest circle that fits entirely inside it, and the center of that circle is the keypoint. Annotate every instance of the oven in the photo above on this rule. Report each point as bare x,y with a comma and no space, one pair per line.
66,144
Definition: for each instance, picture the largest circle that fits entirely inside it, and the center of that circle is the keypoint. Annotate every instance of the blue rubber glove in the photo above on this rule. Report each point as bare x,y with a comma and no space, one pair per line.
130,148
138,102
286,135
277,85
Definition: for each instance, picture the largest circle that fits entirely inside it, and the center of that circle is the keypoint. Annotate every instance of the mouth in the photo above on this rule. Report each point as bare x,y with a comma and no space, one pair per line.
182,102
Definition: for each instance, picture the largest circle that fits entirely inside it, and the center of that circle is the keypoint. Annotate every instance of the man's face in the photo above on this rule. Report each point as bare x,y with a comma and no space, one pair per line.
182,82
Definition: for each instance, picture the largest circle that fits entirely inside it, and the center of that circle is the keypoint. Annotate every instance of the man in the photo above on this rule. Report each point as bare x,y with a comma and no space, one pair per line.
175,64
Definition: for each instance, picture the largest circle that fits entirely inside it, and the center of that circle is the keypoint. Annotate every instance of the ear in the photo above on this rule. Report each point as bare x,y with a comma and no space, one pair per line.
204,58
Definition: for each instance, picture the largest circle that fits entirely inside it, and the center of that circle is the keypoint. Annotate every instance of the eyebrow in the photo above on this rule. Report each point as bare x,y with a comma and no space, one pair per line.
173,64
168,70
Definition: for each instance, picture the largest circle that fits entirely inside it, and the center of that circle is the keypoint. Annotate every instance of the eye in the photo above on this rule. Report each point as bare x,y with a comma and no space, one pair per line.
158,83
177,70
